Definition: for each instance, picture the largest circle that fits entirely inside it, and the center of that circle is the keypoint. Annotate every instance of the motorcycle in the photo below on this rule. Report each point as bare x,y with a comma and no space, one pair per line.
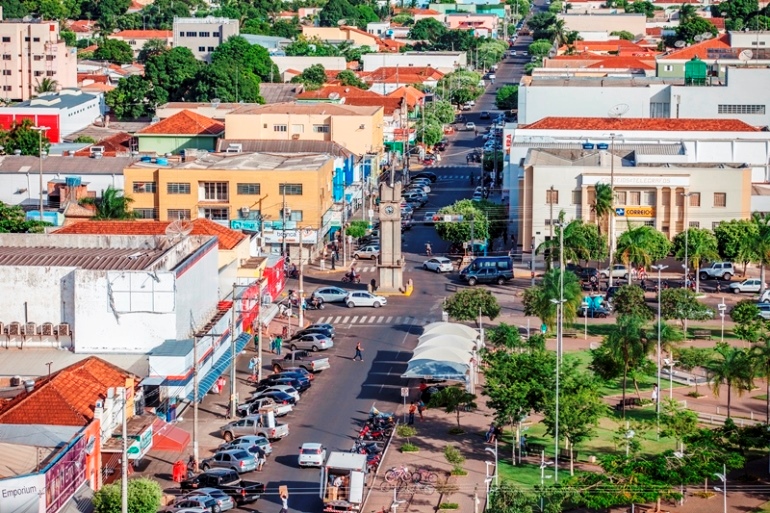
291,273
374,413
314,305
351,278
367,433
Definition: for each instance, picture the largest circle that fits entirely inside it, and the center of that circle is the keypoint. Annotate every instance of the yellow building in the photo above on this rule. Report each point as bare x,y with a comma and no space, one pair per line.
242,190
359,129
355,35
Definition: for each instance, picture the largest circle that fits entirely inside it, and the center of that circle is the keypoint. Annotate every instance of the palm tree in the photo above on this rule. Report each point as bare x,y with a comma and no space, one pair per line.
47,85
701,247
537,300
761,242
112,205
731,366
559,29
686,13
575,246
602,205
636,246
760,353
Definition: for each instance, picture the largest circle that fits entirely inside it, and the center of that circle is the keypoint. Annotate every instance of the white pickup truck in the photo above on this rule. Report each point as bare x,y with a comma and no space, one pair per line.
343,480
262,405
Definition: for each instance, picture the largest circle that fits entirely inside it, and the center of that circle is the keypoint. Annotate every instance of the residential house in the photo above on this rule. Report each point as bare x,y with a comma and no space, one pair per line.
136,39
421,14
444,62
186,129
360,129
385,80
32,52
378,28
83,29
202,35
719,54
481,24
290,66
119,144
336,35
273,44
606,47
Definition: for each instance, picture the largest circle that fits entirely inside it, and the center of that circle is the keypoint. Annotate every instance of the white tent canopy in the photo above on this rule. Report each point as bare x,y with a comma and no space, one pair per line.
433,369
452,341
448,354
451,328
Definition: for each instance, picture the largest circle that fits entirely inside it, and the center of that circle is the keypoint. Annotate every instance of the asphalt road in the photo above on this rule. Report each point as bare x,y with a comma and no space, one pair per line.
332,411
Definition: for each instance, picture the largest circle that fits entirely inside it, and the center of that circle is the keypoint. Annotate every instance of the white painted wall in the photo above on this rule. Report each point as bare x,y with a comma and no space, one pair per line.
301,63
30,180
442,61
197,291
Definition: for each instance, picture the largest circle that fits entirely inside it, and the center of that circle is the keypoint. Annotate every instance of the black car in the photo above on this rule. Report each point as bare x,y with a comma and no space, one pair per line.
574,268
406,224
425,174
279,397
484,115
308,331
299,385
589,274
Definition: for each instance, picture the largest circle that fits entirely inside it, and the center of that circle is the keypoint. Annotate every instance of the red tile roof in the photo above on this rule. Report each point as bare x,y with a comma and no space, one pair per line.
102,79
615,45
185,122
143,34
719,23
228,239
82,26
408,75
622,62
66,398
343,92
391,45
412,95
699,50
642,124
389,105
114,145
653,31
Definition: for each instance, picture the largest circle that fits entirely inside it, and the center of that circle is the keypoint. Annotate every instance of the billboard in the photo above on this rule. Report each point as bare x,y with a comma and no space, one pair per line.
22,494
64,477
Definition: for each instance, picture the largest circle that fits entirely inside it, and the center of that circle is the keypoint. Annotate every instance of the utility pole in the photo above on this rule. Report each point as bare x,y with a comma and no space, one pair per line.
612,203
283,223
301,314
196,453
550,237
344,221
124,458
233,356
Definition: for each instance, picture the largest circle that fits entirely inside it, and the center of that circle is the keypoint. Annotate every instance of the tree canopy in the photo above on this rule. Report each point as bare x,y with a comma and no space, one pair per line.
460,232
468,304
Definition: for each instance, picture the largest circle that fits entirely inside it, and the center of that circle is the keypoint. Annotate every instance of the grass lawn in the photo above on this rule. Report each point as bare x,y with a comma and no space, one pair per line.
525,476
601,330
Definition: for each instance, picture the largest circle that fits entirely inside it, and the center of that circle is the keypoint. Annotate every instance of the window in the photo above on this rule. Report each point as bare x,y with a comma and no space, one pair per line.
321,129
37,57
210,48
551,197
649,223
141,187
741,109
49,73
178,188
26,39
694,199
132,43
660,110
7,39
181,34
620,198
249,188
6,72
714,225
216,214
290,189
297,129
178,213
296,215
577,197
635,198
720,199
694,224
649,198
201,48
204,34
6,57
38,73
280,128
216,34
668,67
192,34
7,88
215,191
144,213
35,39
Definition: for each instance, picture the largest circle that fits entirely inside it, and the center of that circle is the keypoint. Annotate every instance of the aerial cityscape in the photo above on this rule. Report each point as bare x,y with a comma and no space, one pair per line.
384,256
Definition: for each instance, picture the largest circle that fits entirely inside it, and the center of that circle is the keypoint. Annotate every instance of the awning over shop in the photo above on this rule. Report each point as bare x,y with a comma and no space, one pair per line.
219,367
268,313
168,437
433,369
451,328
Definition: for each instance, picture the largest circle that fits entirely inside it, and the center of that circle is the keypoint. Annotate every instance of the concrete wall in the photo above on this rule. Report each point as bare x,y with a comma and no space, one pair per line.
301,63
634,23
197,291
442,61
30,183
218,30
174,143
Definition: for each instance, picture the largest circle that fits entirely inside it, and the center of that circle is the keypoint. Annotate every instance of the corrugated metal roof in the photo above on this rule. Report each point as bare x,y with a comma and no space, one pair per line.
100,259
299,146
641,149
68,165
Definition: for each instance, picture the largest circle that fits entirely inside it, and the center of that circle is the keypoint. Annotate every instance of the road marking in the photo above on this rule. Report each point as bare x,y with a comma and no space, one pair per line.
361,320
380,318
387,321
353,320
345,320
336,319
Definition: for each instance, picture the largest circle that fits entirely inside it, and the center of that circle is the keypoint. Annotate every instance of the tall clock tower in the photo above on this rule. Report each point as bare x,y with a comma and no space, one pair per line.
391,263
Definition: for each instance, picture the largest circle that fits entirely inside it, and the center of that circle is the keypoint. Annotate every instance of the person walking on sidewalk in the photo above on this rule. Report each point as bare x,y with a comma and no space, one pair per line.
420,409
278,345
359,352
412,410
284,504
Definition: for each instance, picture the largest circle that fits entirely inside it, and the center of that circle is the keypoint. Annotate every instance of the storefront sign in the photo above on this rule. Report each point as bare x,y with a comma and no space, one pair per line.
251,225
65,476
141,445
292,236
636,211
22,494
639,181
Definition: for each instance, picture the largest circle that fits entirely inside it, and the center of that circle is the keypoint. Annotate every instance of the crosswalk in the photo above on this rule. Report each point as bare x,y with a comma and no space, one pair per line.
452,178
376,320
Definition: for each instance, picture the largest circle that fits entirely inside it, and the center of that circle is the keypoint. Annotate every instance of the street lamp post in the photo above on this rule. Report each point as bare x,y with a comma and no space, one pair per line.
543,465
494,453
723,477
658,268
722,309
670,364
558,303
686,222
40,131
613,136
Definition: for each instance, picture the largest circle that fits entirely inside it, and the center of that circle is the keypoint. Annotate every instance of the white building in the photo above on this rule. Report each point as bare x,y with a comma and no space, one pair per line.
589,25
203,35
116,294
655,162
445,62
301,63
742,95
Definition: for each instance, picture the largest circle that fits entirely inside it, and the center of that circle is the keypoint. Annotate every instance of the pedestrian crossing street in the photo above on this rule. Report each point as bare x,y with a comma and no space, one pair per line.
376,320
363,269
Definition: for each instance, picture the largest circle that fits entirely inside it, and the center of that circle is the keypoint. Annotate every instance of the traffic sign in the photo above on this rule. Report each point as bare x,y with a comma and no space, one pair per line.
404,392
620,212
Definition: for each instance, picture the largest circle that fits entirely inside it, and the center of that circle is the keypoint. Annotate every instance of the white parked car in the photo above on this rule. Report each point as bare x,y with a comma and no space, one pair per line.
312,455
438,264
372,251
361,298
470,125
247,442
618,271
750,285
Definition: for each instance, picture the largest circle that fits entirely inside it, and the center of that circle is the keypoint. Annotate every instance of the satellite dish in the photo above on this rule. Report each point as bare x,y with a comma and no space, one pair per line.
179,229
745,55
618,110
334,96
707,35
698,38
552,53
680,44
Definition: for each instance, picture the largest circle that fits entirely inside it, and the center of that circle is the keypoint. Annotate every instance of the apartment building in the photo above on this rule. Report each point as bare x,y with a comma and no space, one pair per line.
203,35
32,52
359,129
136,39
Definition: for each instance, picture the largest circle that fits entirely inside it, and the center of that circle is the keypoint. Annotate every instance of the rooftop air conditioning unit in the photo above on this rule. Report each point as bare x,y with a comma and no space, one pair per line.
30,329
295,137
46,329
64,330
96,149
234,148
14,328
245,211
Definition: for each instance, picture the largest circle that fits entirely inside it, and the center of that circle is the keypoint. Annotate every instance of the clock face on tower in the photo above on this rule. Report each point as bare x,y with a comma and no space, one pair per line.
389,210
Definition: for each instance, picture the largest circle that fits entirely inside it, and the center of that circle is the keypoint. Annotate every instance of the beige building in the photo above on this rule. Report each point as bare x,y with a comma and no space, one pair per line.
32,52
136,39
592,25
203,35
339,34
359,129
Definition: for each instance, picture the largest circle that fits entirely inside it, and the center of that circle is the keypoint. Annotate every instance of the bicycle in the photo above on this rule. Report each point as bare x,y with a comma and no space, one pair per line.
426,488
398,475
424,475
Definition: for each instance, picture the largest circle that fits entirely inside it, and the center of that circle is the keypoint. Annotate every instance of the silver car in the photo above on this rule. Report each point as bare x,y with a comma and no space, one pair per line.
372,251
247,442
361,298
438,264
236,459
224,501
330,294
311,342
199,503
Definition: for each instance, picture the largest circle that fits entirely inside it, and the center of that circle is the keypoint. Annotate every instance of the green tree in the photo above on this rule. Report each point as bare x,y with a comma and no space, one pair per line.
761,242
540,48
623,349
429,131
537,300
453,400
459,232
69,37
580,407
132,98
760,355
641,245
602,204
112,205
441,110
735,241
238,53
505,336
14,9
365,15
678,422
691,358
311,47
348,78
114,51
573,239
701,247
427,29
687,30
335,11
22,137
469,304
745,312
507,97
172,72
227,81
357,229
144,496
629,300
730,366
152,48
541,25
312,78
623,34
682,304
497,215
461,86
739,9
13,219
647,8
